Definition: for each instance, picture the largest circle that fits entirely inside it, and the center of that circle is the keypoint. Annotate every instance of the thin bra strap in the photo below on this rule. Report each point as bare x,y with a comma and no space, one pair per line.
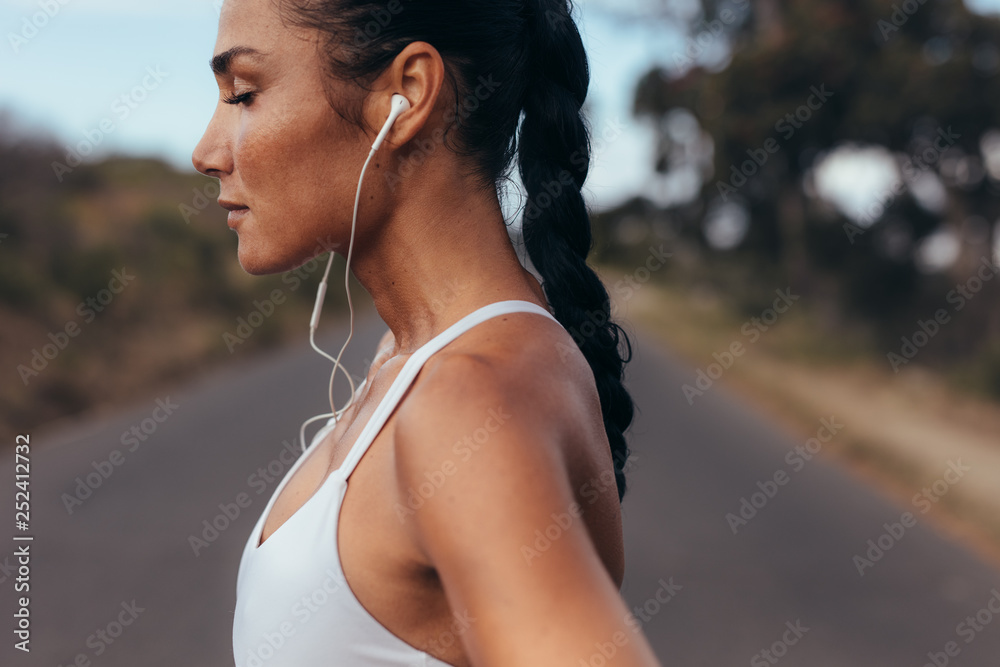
416,361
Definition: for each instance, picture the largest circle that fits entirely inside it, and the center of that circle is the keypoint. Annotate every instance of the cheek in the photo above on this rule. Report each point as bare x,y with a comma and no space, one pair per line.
268,157
292,179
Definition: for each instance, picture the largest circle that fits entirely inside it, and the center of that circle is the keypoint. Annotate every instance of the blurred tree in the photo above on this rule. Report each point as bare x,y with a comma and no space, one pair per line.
917,78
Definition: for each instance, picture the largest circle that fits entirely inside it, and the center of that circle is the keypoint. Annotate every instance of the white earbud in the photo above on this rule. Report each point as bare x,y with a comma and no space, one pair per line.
399,104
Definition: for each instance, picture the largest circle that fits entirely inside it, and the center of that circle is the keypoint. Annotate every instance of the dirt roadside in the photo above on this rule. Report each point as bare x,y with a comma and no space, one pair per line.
902,430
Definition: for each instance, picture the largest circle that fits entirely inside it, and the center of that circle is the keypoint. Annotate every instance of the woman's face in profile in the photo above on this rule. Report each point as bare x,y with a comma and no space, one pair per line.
279,150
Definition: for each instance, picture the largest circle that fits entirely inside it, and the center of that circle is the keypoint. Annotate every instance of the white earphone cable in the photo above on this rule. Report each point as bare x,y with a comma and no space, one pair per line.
315,322
399,104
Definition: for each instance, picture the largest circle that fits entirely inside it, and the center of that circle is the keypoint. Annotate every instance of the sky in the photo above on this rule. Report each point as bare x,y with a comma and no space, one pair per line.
133,76
141,69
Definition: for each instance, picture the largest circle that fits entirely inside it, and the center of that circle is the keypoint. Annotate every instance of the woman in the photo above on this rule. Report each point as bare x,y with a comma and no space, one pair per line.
486,453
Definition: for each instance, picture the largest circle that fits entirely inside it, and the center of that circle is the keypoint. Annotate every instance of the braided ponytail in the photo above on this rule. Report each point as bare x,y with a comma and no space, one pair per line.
554,158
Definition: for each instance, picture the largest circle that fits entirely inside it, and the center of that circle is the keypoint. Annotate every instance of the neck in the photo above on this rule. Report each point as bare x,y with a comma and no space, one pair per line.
432,262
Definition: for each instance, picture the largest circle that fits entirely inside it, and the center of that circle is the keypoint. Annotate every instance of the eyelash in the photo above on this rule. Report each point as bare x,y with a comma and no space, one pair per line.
243,98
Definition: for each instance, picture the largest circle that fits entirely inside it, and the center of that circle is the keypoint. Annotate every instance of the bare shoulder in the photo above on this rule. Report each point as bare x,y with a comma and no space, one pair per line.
524,352
527,362
511,407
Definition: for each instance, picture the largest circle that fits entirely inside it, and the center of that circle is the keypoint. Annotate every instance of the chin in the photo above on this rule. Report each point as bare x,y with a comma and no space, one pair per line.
265,250
259,259
254,269
258,263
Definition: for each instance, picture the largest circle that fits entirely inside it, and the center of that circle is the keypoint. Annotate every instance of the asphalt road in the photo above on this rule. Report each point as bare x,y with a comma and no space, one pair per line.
116,579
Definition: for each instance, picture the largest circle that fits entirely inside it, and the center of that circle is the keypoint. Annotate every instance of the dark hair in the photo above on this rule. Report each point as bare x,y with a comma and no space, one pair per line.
504,58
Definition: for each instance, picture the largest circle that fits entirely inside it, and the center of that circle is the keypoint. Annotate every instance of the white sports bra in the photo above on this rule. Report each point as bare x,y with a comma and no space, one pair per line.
294,607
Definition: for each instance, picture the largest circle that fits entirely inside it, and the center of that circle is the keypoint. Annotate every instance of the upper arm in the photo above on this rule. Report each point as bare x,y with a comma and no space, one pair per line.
500,524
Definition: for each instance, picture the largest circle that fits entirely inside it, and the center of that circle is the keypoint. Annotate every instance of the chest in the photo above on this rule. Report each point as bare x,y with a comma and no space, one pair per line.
325,460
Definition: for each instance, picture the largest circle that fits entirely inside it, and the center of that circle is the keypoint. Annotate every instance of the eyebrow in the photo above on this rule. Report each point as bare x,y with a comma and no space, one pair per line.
220,63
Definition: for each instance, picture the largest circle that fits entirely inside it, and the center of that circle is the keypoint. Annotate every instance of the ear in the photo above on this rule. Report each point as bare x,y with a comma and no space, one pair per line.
417,73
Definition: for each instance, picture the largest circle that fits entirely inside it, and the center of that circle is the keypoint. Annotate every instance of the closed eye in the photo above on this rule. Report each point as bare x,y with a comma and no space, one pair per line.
242,98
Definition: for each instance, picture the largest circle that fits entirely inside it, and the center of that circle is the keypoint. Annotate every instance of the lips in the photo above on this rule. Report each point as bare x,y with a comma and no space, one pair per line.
236,211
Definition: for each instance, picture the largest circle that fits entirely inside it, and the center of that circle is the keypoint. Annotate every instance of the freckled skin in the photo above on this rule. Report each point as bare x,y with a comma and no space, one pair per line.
285,155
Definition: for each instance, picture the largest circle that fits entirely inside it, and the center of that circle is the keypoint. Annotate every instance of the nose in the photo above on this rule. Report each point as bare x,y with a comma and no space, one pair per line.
213,155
